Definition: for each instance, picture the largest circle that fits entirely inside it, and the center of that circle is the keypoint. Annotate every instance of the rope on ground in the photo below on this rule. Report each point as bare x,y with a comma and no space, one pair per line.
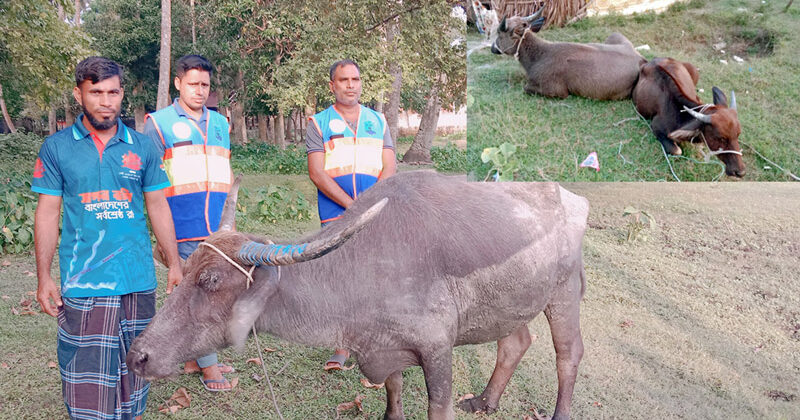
786,171
266,375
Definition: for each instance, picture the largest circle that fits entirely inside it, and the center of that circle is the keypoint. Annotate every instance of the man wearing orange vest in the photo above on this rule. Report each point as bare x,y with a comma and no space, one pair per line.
349,149
196,148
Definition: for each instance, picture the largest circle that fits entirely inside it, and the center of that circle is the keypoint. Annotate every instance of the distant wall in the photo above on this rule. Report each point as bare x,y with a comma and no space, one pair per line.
626,7
449,122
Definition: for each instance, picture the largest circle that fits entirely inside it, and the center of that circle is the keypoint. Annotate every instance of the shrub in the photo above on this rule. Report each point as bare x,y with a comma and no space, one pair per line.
270,159
275,203
449,158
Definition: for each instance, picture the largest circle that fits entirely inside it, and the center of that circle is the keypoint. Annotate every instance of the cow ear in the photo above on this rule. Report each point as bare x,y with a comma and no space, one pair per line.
209,280
719,97
687,132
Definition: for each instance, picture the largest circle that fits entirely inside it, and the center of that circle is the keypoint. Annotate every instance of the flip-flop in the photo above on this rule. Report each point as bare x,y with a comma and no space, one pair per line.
221,367
205,383
336,362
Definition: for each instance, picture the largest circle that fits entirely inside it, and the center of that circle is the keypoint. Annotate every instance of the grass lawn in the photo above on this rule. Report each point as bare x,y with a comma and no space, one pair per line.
700,319
554,136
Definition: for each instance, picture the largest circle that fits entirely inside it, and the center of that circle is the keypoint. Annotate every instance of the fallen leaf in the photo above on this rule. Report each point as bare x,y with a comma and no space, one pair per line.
52,365
466,397
29,273
31,293
234,382
758,348
257,378
349,367
597,404
14,311
254,360
25,302
626,323
181,397
368,384
6,297
6,263
780,395
27,311
5,365
269,350
536,415
350,404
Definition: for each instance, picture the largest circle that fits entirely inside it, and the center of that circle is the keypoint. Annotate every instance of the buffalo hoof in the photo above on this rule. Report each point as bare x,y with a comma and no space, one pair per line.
476,405
387,416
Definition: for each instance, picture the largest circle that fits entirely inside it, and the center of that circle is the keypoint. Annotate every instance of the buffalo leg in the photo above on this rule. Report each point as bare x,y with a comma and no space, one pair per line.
394,396
510,350
660,130
566,331
553,90
438,369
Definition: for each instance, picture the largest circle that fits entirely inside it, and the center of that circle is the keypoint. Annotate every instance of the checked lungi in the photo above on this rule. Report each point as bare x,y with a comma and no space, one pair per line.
94,335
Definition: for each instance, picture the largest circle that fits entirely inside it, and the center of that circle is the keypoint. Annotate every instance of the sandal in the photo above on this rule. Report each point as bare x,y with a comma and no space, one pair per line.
205,383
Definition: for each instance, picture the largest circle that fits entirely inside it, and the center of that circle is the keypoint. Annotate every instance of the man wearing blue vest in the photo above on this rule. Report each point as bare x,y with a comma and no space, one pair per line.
105,175
196,147
349,149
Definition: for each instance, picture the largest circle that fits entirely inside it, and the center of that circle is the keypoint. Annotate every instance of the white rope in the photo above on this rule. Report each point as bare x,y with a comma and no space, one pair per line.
235,264
249,275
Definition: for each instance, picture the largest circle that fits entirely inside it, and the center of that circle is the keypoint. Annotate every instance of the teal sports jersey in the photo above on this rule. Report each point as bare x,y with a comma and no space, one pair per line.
105,245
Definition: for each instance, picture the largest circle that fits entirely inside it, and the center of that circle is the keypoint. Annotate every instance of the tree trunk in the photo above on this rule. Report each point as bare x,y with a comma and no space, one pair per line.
420,150
78,8
262,127
194,31
139,111
6,117
165,54
271,130
69,117
392,111
52,124
239,121
280,134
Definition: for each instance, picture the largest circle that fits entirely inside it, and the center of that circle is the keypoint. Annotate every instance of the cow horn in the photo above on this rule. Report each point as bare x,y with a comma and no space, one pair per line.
702,117
274,254
534,16
228,217
733,100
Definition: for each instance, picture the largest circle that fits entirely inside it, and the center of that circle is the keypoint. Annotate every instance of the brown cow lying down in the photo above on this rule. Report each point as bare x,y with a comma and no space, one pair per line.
600,71
445,263
666,93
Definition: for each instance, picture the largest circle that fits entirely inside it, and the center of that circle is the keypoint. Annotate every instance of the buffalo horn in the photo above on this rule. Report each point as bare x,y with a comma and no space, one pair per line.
733,100
534,16
274,254
229,211
702,117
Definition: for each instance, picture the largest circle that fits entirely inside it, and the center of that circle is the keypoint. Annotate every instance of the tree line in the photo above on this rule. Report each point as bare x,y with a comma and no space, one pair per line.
271,57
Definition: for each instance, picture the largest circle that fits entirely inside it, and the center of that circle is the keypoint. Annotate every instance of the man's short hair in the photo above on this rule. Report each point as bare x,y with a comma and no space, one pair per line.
97,69
342,63
193,61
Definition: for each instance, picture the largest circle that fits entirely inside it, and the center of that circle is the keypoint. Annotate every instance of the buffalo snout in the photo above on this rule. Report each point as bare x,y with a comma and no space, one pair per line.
495,50
137,361
734,166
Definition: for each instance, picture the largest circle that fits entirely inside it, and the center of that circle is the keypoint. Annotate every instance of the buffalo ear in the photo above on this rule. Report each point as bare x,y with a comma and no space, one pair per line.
689,131
719,97
209,280
502,27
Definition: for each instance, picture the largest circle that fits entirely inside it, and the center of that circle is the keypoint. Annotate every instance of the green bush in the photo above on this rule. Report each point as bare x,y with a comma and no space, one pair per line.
269,159
18,153
449,158
17,202
274,203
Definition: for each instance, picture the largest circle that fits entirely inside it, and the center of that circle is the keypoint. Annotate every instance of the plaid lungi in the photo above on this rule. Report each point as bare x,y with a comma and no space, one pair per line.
94,335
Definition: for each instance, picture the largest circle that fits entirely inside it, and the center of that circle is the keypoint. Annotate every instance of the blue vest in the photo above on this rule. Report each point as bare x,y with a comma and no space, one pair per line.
353,159
198,167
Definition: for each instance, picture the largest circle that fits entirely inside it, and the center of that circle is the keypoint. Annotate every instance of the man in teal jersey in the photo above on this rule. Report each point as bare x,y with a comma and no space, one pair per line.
105,175
195,146
349,149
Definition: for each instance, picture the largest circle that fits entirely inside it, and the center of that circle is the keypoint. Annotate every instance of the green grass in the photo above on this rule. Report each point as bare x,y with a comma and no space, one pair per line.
556,135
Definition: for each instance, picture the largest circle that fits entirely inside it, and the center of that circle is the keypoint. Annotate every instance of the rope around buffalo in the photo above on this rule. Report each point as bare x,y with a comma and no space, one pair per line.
249,275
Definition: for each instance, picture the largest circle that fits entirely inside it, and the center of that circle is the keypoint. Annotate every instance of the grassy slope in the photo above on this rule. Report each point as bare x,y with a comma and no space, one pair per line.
557,135
709,303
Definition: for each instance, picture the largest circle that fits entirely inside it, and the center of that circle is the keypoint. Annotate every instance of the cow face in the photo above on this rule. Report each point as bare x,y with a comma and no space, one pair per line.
720,130
509,34
213,308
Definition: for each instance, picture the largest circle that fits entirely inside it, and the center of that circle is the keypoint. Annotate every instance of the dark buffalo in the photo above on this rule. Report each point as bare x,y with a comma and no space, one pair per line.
666,93
601,71
445,263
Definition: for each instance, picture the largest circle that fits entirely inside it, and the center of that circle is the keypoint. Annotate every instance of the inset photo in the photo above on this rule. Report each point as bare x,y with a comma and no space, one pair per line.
581,90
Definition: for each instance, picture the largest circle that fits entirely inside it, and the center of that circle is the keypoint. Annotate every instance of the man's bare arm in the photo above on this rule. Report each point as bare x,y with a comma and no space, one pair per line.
45,236
161,220
389,164
324,182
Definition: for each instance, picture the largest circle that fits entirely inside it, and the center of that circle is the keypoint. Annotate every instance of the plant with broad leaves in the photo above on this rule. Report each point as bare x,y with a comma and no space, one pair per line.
276,203
638,220
504,163
17,207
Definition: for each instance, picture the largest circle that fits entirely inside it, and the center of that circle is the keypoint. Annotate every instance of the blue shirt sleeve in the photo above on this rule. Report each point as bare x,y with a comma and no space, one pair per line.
47,177
154,177
151,131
